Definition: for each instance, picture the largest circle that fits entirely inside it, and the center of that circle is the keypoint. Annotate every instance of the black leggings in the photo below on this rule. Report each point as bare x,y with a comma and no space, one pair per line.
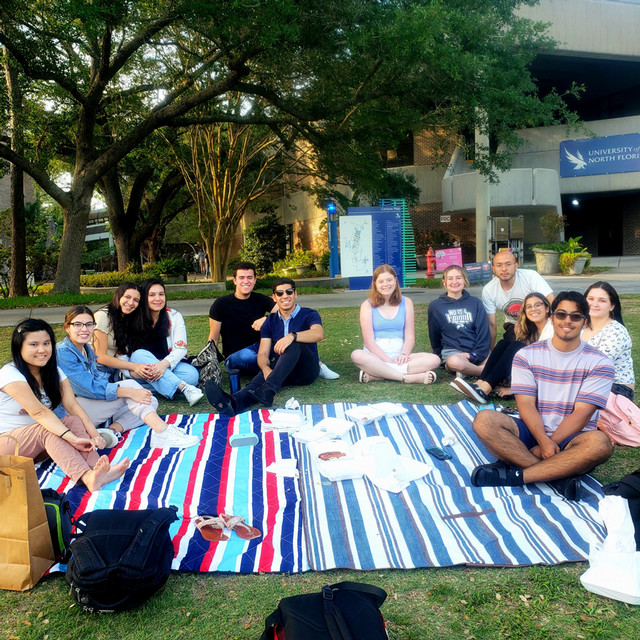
498,365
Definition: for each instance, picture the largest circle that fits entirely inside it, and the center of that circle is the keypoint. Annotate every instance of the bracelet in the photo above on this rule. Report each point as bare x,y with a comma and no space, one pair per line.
64,433
402,353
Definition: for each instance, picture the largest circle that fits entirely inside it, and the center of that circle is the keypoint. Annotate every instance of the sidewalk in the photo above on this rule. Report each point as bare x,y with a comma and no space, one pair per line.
624,276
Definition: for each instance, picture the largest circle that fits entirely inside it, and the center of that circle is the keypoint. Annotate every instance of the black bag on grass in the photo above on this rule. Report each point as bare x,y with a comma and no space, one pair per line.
121,558
60,522
342,611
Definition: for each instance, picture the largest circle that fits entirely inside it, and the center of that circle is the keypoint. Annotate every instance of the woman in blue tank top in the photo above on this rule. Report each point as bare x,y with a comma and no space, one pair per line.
388,330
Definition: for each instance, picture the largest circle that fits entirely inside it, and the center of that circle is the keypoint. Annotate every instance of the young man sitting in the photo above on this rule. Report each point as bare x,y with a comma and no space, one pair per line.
559,384
287,355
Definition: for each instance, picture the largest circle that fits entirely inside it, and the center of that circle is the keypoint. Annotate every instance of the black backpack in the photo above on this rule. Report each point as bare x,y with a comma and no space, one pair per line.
60,522
342,611
629,487
121,558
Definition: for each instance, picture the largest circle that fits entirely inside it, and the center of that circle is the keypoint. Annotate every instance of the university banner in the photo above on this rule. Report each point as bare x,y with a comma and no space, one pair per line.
597,156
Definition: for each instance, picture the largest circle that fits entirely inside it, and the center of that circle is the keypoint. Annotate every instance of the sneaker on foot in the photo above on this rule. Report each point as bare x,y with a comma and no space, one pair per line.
470,390
172,437
326,373
192,394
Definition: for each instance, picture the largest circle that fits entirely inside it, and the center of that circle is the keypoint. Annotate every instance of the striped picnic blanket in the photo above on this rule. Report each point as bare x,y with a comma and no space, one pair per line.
440,519
210,478
312,523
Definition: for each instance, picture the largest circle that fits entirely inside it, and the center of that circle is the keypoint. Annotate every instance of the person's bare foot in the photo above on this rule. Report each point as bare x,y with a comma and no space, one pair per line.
117,427
103,473
93,479
116,471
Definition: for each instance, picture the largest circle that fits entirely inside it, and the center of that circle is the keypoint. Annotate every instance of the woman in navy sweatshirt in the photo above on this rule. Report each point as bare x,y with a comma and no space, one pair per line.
458,326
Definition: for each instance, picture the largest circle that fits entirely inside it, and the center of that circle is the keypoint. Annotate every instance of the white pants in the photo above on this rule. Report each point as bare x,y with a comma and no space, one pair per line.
392,347
129,413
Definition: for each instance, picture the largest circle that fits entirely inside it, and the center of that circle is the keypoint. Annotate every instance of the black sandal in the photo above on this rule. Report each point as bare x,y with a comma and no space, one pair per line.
496,474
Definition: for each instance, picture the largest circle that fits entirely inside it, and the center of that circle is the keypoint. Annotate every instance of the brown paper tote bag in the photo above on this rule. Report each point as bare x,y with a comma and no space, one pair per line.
25,542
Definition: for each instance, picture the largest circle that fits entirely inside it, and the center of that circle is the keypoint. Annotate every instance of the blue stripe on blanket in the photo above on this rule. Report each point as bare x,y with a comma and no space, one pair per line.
440,519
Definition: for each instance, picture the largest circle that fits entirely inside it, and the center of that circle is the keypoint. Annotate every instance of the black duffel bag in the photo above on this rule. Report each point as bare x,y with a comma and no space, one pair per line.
121,558
342,611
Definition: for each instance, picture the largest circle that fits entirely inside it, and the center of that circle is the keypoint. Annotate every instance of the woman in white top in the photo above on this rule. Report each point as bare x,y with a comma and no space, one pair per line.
388,330
31,387
607,333
160,342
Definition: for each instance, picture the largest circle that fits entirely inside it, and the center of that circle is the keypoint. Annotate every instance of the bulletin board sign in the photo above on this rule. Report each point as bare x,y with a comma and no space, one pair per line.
369,237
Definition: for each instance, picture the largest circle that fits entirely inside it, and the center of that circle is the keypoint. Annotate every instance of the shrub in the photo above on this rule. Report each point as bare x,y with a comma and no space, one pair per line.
265,242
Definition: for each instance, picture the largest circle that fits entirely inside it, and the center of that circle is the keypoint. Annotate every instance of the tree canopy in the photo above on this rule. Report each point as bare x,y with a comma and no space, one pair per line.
350,76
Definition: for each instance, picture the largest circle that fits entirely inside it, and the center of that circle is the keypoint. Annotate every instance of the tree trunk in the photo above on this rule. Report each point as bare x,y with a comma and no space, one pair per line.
75,219
218,252
18,273
18,277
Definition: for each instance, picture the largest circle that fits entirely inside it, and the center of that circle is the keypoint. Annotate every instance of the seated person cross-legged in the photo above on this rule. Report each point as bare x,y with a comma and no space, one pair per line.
458,326
388,330
288,354
559,384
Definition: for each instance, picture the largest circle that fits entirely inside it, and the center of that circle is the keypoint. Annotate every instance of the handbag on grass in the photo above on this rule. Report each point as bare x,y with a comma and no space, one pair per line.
25,543
342,611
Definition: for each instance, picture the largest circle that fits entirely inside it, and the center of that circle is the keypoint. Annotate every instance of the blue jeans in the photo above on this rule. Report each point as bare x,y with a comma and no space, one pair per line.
245,360
167,385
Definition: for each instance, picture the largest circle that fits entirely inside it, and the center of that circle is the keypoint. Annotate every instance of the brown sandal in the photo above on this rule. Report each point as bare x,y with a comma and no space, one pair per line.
243,530
212,528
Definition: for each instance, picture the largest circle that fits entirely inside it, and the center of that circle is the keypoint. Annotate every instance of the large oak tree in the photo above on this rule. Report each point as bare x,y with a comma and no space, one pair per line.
350,75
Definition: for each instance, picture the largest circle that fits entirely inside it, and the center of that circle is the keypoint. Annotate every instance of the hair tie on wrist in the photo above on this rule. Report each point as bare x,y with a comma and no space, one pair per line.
65,433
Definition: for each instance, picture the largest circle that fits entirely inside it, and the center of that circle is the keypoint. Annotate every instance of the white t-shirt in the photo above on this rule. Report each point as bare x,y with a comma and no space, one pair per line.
12,413
510,302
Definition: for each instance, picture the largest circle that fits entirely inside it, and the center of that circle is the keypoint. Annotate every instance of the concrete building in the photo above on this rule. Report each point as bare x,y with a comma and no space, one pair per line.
599,193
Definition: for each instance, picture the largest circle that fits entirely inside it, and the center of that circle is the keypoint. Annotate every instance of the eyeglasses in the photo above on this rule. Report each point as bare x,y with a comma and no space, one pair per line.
574,317
79,325
537,305
281,292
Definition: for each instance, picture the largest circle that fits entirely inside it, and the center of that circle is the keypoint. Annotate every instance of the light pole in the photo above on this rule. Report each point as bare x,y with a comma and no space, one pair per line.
332,236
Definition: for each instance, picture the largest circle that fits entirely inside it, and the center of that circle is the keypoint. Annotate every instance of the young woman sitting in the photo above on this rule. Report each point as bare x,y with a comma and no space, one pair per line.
608,334
533,324
114,323
160,341
126,403
31,387
388,330
458,326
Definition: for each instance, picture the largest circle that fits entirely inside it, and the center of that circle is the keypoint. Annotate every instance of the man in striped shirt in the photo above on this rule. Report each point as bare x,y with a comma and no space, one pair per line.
559,384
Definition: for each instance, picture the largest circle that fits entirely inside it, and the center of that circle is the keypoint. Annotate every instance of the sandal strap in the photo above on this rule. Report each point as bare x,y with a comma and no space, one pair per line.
211,521
232,521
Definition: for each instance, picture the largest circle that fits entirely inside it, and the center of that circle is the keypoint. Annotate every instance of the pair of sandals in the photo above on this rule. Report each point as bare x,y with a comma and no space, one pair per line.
212,528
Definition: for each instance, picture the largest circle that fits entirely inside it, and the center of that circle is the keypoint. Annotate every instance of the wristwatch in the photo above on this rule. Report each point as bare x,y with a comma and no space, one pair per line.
295,336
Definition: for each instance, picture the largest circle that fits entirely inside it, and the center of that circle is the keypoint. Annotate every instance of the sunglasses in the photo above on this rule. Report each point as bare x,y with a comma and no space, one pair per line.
281,292
574,317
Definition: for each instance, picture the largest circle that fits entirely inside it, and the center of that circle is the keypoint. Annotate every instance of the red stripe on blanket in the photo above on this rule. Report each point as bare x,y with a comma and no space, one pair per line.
145,471
265,562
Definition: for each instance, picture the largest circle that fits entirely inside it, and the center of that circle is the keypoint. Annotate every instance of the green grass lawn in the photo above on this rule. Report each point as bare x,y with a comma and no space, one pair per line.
448,604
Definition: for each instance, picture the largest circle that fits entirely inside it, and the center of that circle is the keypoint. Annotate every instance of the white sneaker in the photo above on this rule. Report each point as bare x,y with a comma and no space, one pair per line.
192,394
326,373
172,437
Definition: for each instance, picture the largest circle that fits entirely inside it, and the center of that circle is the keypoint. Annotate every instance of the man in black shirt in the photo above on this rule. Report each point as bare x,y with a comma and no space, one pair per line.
237,318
